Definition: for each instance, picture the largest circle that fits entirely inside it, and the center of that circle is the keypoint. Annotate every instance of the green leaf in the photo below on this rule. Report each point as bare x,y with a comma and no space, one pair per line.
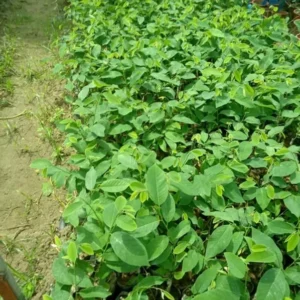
164,77
72,252
114,185
293,204
157,185
95,292
272,285
293,274
204,280
245,150
40,164
148,282
190,261
219,240
261,257
90,179
285,168
232,192
129,249
110,214
84,93
127,161
98,130
281,227
157,246
87,248
262,239
236,265
120,128
168,209
126,223
180,230
216,32
146,225
292,242
262,198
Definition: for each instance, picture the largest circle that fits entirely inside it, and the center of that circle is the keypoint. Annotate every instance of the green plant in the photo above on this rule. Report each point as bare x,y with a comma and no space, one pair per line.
185,173
6,67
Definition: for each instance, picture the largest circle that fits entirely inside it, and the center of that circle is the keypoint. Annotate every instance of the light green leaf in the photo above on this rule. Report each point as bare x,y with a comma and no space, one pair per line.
190,261
262,198
90,179
236,265
204,280
157,185
40,164
293,204
126,223
285,168
72,252
245,150
129,249
114,185
95,292
127,161
261,257
110,214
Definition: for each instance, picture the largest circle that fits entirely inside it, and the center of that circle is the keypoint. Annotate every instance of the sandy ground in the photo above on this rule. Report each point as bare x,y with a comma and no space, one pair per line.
28,219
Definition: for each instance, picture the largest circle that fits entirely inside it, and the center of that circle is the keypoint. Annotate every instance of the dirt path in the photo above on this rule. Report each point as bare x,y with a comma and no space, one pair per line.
28,218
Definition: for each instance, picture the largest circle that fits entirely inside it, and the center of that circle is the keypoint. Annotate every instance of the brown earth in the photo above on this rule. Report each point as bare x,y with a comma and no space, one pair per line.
28,219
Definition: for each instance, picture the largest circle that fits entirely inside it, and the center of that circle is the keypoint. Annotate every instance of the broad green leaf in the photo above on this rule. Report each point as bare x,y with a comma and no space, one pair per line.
157,246
272,285
204,280
157,185
293,204
90,179
164,77
216,32
292,242
87,248
72,252
84,93
98,129
190,261
127,161
114,185
293,274
236,265
219,240
262,198
126,223
280,227
40,164
168,209
129,249
95,292
262,239
120,128
110,214
261,257
180,230
232,192
145,225
148,282
285,168
245,150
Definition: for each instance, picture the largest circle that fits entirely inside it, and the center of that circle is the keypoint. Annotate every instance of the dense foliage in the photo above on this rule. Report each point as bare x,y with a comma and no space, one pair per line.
185,166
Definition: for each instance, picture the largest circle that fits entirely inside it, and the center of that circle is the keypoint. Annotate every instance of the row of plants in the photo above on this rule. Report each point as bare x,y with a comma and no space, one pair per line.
184,175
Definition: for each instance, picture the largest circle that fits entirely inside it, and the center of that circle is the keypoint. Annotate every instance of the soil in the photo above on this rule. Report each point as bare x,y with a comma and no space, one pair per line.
28,218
